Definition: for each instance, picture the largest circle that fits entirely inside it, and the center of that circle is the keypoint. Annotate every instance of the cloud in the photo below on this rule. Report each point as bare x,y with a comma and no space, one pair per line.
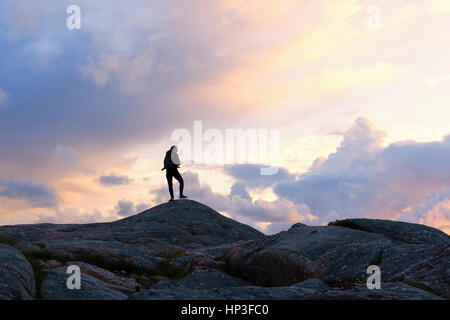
365,179
132,72
3,98
71,215
35,194
142,206
250,175
433,211
125,208
114,180
239,189
133,52
278,214
146,57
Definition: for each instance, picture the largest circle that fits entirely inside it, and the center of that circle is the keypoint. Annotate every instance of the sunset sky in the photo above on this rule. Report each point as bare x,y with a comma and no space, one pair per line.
358,89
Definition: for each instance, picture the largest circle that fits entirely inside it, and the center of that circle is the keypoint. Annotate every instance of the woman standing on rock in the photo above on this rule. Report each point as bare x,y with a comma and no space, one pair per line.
171,165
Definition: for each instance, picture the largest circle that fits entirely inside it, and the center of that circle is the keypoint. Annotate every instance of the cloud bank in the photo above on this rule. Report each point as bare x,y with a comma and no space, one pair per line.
365,179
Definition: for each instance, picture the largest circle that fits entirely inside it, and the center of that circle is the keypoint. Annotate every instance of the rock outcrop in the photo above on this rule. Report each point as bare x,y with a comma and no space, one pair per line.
395,230
186,250
142,240
340,253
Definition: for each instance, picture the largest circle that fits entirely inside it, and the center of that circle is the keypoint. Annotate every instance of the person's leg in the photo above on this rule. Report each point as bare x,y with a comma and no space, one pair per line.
169,182
178,176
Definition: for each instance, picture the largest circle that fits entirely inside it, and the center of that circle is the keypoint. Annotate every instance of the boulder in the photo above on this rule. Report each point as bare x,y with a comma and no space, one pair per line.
16,275
303,252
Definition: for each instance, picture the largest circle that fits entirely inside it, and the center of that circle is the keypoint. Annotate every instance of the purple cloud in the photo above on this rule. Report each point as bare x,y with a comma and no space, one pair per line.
114,180
37,195
365,179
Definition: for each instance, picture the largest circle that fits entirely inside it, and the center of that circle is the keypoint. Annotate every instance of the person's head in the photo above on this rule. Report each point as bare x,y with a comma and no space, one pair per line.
173,149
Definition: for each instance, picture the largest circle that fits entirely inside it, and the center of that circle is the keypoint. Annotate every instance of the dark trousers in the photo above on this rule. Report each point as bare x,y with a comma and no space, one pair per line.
175,174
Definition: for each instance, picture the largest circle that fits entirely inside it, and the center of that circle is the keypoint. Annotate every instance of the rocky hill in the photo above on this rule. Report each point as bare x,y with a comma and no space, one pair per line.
186,250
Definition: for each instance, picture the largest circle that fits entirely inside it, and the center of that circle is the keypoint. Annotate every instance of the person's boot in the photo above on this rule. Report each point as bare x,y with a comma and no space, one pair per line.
171,199
183,196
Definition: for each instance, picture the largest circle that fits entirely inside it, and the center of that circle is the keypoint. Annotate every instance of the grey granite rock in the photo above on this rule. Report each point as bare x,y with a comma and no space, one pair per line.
396,230
54,287
433,272
312,283
303,252
142,239
16,275
183,224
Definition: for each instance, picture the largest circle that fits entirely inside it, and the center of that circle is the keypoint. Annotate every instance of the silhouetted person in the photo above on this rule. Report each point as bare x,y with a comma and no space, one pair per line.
171,165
